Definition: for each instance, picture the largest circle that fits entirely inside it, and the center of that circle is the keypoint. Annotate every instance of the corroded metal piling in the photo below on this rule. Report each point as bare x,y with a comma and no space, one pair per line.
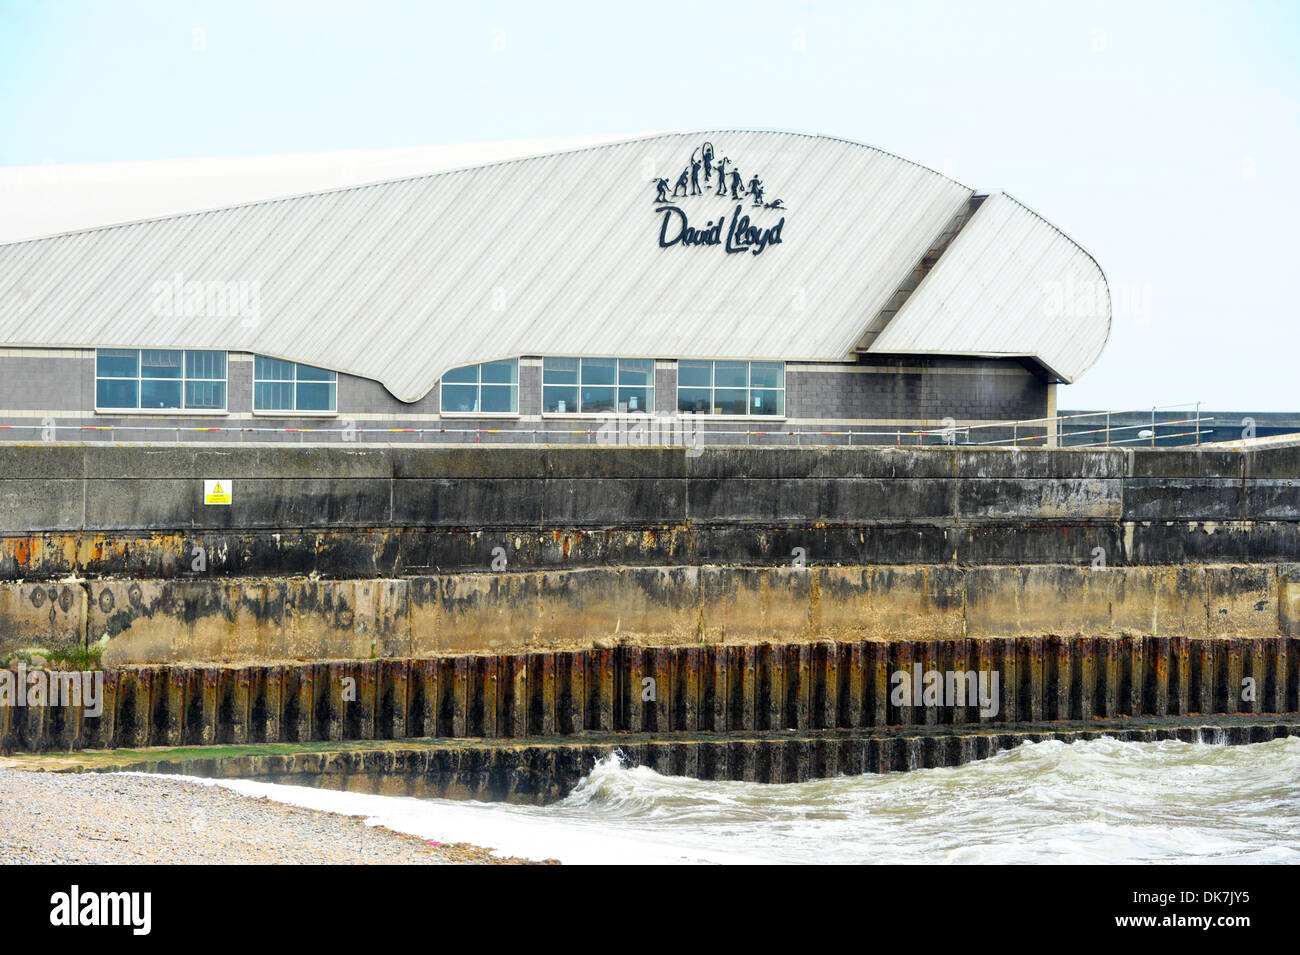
667,690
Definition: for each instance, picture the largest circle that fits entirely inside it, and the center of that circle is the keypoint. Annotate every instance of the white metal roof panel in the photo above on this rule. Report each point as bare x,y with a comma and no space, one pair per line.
1009,284
553,255
52,198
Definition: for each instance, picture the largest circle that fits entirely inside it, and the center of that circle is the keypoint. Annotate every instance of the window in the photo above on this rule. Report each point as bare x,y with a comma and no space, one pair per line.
205,379
148,379
287,386
731,387
489,388
598,385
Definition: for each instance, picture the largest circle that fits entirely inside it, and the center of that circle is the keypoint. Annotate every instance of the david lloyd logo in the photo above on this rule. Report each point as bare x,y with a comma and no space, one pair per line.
741,234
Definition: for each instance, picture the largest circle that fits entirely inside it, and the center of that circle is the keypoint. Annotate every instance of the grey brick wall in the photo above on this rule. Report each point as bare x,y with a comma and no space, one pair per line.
46,383
239,386
361,396
530,388
917,389
666,389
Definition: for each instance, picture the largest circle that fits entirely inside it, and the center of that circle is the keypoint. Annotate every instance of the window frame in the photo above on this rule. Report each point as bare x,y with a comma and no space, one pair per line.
749,389
295,412
478,384
618,386
182,410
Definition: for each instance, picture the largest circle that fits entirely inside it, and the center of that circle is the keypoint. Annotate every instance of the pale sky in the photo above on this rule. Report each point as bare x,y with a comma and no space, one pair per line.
1164,138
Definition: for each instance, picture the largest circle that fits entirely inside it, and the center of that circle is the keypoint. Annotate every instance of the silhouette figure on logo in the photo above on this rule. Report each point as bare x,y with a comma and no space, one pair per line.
682,181
737,190
688,183
722,175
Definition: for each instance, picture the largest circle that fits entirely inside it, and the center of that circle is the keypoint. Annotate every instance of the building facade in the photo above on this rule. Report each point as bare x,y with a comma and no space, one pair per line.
754,285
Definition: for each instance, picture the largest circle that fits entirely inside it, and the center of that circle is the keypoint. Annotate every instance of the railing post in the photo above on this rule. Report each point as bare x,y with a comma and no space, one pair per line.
1198,424
1153,426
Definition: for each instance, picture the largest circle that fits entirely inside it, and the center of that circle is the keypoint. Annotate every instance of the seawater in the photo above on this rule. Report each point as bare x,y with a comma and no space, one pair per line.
1099,801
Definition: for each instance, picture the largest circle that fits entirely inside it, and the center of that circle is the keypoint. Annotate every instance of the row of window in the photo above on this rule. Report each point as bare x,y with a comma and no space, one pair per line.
598,385
590,386
150,379
731,387
143,379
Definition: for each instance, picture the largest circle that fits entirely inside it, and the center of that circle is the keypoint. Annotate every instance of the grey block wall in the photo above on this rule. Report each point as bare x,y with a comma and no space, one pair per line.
43,382
666,388
908,389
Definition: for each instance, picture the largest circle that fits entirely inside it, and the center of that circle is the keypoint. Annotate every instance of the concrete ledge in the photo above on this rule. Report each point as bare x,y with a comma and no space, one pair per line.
360,551
264,619
53,488
541,771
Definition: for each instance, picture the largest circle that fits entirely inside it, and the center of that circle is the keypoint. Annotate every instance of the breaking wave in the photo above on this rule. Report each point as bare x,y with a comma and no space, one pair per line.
1098,801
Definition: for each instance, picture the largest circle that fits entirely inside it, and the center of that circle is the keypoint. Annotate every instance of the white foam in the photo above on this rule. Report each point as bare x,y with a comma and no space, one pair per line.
1101,801
505,829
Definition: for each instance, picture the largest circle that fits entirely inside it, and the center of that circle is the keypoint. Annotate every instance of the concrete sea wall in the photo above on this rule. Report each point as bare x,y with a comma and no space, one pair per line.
139,511
392,553
268,619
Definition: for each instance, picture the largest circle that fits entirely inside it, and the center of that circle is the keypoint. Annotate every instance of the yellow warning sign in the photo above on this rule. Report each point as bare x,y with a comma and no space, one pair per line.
218,491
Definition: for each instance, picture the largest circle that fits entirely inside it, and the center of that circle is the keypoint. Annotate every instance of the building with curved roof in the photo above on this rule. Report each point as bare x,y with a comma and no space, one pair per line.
766,280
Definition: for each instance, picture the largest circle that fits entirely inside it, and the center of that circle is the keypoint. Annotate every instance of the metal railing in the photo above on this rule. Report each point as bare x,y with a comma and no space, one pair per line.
1057,430
686,431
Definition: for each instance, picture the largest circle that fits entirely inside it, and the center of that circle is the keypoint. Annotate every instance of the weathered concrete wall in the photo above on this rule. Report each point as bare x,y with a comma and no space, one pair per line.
298,618
138,511
50,615
369,553
276,619
715,689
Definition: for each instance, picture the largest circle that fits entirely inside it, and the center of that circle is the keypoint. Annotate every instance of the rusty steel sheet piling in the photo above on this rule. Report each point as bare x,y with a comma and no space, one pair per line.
800,687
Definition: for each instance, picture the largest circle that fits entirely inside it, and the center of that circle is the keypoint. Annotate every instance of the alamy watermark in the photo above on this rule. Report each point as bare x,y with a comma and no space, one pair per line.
179,298
1071,299
76,907
946,688
650,431
36,688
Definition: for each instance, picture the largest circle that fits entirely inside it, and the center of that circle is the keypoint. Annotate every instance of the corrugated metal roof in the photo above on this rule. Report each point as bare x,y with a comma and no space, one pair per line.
1009,284
44,200
551,255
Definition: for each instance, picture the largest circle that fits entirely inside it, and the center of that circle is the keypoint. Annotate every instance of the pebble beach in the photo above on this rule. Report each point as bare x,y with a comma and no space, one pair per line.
94,818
